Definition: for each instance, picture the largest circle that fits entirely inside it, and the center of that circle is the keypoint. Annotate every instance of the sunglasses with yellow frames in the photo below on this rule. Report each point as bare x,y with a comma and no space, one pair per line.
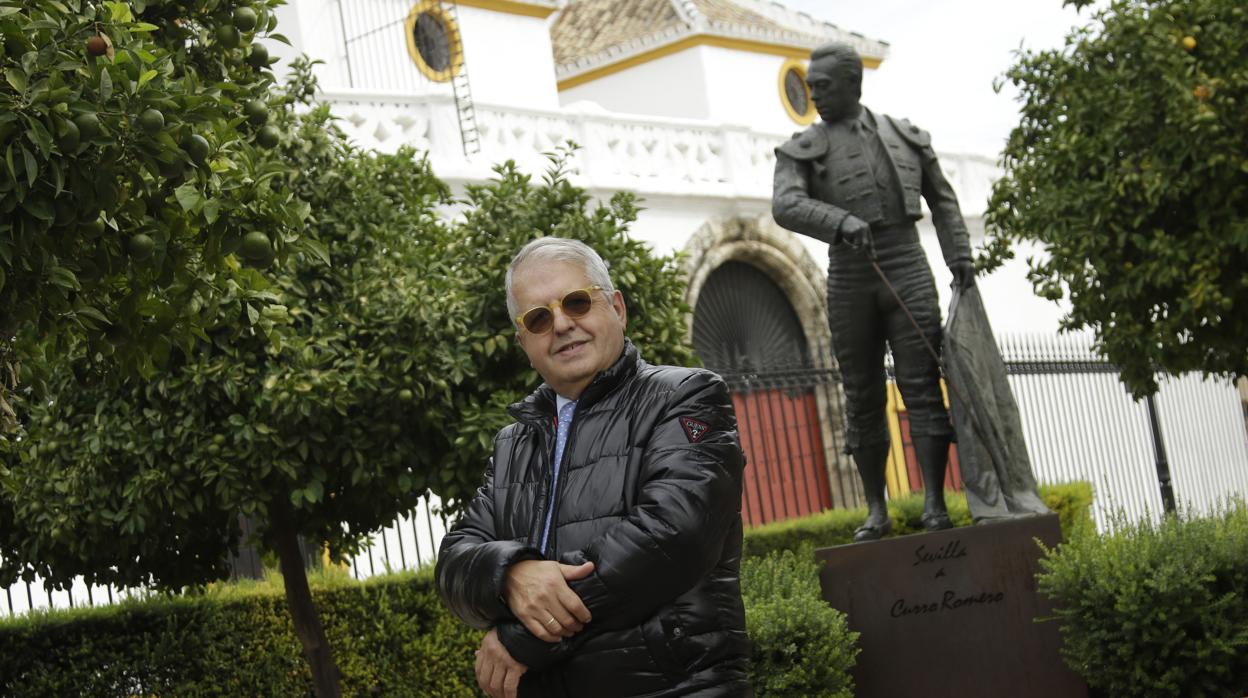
541,319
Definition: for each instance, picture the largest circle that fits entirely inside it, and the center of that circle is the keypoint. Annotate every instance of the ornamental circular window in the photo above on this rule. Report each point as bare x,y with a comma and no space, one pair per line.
433,41
795,93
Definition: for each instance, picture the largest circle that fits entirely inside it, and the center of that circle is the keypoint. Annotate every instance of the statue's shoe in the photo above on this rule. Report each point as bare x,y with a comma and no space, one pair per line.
936,521
869,532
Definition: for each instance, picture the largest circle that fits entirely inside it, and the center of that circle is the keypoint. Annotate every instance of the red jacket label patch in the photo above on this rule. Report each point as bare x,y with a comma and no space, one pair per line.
694,430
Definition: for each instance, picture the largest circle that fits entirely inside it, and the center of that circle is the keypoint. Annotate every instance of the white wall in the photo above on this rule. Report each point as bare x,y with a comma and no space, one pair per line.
744,88
673,86
509,58
667,222
313,29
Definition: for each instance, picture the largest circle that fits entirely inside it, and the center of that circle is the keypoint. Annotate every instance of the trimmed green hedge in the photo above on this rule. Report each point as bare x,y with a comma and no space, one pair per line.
1156,609
1071,501
802,646
391,637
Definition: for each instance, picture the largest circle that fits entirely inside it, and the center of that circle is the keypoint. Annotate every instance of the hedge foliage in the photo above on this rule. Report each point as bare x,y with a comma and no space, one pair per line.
1071,501
802,646
391,637
1156,609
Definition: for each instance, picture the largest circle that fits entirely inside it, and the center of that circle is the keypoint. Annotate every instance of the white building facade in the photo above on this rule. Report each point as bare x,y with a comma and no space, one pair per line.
682,103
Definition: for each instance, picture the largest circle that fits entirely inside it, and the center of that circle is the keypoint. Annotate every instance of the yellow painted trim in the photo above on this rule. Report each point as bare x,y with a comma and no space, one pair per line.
794,52
896,478
456,44
801,119
511,7
897,474
328,563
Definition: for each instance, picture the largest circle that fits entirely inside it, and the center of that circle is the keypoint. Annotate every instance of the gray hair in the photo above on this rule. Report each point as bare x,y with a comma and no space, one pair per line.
848,62
552,249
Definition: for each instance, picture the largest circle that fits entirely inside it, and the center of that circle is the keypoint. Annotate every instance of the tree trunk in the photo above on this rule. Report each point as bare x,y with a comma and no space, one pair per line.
302,611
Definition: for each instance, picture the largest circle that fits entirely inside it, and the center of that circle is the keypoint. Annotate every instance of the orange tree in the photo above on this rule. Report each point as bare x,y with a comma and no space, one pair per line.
378,370
1129,168
132,161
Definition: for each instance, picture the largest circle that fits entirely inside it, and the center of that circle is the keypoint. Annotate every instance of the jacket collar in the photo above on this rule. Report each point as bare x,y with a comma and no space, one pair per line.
539,406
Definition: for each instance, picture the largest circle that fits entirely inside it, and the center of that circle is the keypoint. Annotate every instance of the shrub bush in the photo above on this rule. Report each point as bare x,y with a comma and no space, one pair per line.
803,648
1156,609
391,637
1071,501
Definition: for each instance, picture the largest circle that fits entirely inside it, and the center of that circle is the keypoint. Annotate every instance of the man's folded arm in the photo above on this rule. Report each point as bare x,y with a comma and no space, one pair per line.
673,536
472,565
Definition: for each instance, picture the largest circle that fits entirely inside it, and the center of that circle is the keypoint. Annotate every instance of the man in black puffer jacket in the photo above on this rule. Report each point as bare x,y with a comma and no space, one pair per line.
602,551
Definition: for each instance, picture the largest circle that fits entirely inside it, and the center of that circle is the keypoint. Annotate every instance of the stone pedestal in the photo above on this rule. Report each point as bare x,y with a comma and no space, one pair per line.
951,613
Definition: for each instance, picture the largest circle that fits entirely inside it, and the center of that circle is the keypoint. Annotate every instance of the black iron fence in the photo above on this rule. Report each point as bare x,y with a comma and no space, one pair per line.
1080,423
790,419
1078,420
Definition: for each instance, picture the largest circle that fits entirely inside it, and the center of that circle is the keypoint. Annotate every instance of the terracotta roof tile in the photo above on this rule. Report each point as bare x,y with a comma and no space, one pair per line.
587,27
591,33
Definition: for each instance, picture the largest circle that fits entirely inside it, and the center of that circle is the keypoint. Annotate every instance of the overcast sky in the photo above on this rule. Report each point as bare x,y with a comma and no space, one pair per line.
943,58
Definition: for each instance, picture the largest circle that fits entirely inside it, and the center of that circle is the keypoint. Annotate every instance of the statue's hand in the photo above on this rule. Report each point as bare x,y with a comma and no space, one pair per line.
856,233
963,273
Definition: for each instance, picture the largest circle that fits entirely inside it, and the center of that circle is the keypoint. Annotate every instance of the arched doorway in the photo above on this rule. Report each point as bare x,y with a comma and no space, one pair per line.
745,329
744,320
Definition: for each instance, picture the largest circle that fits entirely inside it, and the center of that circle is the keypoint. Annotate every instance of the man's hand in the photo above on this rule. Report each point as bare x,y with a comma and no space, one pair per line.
856,233
498,674
538,594
963,273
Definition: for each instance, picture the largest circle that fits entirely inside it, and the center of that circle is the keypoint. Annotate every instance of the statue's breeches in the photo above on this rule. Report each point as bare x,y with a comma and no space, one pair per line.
863,315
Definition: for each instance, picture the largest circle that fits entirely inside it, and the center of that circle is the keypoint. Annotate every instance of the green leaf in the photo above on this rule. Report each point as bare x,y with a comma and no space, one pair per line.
32,167
93,314
317,248
64,278
16,78
140,27
188,196
106,85
146,77
120,12
39,208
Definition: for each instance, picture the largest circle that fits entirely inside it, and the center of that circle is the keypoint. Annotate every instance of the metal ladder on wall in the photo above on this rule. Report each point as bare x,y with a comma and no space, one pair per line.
465,112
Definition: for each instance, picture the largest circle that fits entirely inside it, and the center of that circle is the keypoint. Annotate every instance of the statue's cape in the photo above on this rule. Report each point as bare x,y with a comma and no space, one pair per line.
996,470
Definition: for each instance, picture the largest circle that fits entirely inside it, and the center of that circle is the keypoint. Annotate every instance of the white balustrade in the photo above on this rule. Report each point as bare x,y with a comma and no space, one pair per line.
643,154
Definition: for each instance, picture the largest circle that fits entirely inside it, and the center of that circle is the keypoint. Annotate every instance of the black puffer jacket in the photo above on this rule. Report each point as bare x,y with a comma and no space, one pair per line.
650,492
